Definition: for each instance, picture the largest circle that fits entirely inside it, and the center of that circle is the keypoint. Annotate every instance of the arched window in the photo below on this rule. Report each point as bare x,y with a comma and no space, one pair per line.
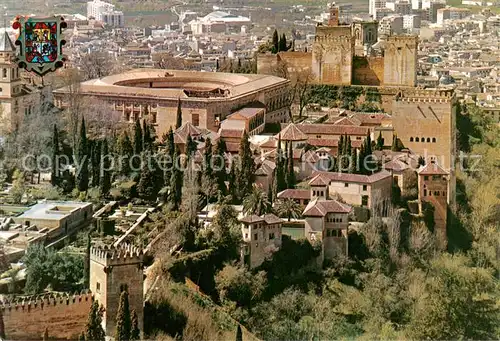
358,34
433,139
416,139
423,139
370,36
428,139
411,139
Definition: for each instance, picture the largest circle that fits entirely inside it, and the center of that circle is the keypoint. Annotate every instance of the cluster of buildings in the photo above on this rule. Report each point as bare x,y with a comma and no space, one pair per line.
105,12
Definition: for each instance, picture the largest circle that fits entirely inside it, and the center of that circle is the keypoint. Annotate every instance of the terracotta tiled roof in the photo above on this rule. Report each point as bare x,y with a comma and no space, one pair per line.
320,208
432,169
292,133
231,133
271,143
347,121
369,118
232,147
323,142
299,194
310,156
319,180
184,131
266,168
252,219
357,178
396,165
329,129
271,219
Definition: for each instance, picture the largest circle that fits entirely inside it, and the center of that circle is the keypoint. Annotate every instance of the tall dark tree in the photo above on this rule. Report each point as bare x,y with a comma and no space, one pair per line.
2,326
93,330
86,275
275,47
207,158
95,162
191,147
361,159
246,167
281,168
137,138
54,176
178,122
135,332
239,334
123,320
82,176
105,176
176,181
290,172
126,151
151,178
233,182
147,140
282,43
219,163
380,142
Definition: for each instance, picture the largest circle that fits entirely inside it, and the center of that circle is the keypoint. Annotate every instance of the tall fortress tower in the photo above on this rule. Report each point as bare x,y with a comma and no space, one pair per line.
113,270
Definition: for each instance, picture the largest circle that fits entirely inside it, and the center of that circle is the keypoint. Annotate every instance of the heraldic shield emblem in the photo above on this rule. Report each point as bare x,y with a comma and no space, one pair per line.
40,43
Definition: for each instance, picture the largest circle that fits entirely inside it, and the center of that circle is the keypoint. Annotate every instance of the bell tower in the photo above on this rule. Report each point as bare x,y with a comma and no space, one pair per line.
10,80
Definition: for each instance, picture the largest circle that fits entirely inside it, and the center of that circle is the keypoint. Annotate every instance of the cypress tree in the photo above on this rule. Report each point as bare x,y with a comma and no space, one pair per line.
170,142
178,123
361,159
239,333
86,274
282,43
207,158
233,184
123,321
2,326
135,333
93,330
220,166
147,141
290,171
95,161
151,178
137,138
54,177
340,151
380,142
105,178
280,170
368,142
191,147
246,167
82,176
46,334
126,150
176,181
275,47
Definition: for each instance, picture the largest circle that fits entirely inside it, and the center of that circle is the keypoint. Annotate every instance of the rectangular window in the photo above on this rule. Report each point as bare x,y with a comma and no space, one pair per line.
195,119
364,200
255,236
4,73
98,287
271,236
246,235
365,187
426,177
346,185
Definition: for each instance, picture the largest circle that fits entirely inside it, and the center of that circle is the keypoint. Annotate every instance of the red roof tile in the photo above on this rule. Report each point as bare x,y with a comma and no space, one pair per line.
329,129
432,169
298,194
292,133
358,178
320,208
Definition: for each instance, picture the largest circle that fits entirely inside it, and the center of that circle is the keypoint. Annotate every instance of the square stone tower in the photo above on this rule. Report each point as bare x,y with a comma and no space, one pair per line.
113,270
400,61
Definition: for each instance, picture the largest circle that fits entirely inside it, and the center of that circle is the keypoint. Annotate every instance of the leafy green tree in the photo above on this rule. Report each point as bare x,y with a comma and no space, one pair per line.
105,178
410,185
288,208
123,320
138,138
178,122
239,285
82,175
54,176
135,333
256,202
18,187
456,300
93,330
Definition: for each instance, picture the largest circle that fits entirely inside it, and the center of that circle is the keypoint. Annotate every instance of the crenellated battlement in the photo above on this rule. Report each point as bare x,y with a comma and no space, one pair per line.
123,254
333,39
403,39
426,96
27,304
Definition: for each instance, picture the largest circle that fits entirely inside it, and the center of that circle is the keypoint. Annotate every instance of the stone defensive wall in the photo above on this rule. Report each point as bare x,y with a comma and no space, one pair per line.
65,316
